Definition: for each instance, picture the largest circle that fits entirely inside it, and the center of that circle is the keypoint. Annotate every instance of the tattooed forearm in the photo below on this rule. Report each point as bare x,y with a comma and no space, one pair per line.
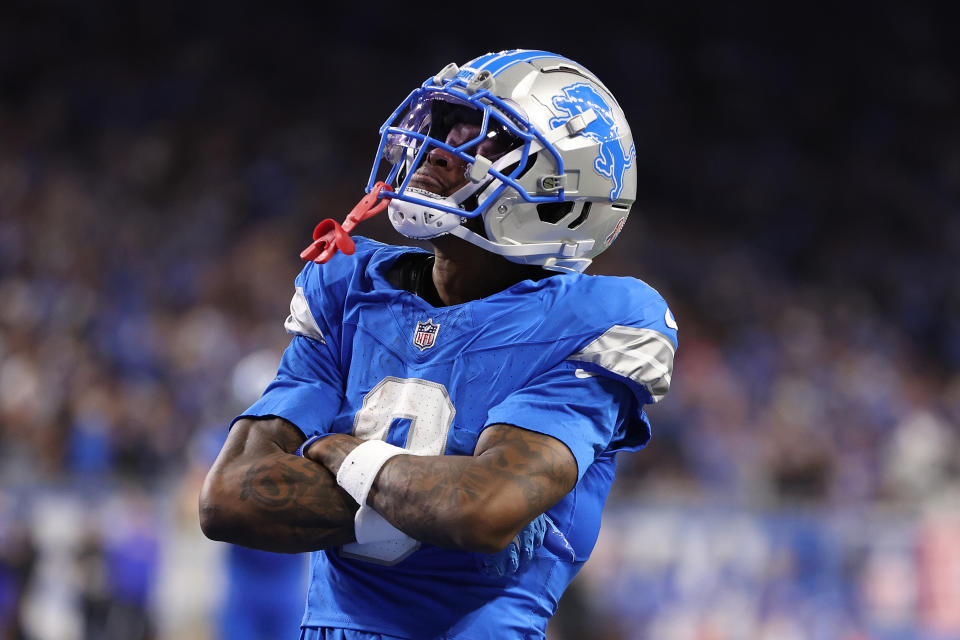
477,502
258,495
289,488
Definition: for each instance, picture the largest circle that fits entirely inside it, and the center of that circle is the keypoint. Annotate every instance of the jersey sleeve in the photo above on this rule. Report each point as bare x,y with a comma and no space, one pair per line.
590,414
639,351
308,388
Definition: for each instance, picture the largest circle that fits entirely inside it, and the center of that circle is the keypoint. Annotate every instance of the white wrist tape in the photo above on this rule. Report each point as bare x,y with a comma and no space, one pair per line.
360,468
370,526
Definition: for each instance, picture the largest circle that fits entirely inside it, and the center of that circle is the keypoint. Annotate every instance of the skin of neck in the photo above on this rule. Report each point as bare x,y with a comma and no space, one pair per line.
463,272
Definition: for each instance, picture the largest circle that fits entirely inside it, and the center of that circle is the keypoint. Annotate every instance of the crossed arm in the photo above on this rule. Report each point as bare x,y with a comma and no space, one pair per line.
259,494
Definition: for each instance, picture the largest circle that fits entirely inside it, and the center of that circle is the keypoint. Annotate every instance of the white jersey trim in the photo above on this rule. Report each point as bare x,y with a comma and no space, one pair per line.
301,322
644,356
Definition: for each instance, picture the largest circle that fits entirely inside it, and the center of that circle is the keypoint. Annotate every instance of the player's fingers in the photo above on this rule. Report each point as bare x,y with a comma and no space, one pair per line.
533,540
543,524
524,539
514,561
514,552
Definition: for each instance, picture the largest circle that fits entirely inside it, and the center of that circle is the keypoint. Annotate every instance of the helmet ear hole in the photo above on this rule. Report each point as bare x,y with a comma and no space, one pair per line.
553,212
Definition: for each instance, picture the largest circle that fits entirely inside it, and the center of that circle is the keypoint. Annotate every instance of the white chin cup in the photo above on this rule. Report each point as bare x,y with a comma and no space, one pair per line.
420,221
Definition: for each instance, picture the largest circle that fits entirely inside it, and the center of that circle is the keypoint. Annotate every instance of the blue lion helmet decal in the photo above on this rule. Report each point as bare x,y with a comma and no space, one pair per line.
613,160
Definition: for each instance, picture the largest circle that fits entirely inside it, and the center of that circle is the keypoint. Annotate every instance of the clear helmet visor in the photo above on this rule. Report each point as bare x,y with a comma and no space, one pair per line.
446,122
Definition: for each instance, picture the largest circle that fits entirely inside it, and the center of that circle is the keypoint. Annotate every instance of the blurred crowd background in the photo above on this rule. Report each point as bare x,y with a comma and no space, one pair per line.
162,164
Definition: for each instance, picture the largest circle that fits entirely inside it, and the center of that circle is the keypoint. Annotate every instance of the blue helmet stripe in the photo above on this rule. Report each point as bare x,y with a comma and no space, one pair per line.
477,63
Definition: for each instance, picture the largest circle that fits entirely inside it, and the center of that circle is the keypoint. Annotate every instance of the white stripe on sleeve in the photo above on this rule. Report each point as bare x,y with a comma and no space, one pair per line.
644,356
301,322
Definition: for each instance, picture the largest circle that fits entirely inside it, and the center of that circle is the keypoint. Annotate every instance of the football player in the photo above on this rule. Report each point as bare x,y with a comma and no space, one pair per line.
443,428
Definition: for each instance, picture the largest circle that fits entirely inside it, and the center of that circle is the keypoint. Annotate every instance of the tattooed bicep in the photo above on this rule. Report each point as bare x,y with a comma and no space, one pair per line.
530,456
263,435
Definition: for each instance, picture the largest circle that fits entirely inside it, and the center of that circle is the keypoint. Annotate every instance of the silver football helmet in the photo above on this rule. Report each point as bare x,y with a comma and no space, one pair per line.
546,152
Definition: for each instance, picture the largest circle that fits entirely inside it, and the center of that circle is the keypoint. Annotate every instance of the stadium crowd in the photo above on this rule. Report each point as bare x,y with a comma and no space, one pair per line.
802,221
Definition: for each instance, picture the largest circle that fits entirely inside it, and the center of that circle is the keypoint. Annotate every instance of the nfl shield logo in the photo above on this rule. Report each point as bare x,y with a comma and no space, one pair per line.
426,334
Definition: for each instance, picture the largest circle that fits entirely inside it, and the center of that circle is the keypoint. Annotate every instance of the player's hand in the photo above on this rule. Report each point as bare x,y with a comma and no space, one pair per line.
520,550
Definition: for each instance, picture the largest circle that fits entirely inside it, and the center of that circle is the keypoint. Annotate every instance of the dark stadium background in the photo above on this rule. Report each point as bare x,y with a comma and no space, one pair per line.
162,164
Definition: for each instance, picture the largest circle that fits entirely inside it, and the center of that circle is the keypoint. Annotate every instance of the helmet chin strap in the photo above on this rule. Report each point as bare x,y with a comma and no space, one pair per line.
573,251
416,220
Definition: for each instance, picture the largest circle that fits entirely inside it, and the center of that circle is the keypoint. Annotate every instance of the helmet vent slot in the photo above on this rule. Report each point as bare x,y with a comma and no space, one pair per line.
554,212
565,69
582,217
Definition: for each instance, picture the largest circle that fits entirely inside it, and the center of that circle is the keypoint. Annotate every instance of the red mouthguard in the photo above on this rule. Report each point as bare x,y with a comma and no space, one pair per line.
329,236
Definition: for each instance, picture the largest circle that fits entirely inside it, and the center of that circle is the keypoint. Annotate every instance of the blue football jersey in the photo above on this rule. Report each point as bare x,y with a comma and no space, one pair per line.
572,356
